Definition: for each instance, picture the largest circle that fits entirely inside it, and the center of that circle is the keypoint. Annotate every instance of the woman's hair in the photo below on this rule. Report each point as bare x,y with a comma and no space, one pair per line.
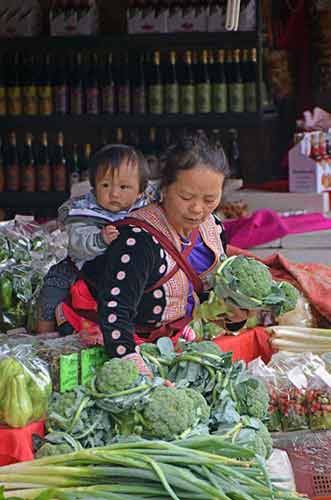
191,151
112,156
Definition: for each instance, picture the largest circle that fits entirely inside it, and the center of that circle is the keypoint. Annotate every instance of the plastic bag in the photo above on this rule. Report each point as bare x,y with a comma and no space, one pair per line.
25,386
300,316
319,399
27,251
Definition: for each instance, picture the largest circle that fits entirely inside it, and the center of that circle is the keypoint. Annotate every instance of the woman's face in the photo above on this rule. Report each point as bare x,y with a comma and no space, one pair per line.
192,198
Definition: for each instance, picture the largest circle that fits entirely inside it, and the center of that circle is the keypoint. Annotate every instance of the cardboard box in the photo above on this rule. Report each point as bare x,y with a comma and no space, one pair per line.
305,174
151,21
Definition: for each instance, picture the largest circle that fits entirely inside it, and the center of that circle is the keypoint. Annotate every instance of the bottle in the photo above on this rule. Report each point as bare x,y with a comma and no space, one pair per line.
107,87
249,74
234,155
171,89
77,85
59,165
123,86
74,166
92,87
139,87
45,89
219,85
30,96
119,136
236,85
155,88
2,168
203,87
12,165
3,89
61,87
14,94
44,174
186,87
28,167
151,152
84,173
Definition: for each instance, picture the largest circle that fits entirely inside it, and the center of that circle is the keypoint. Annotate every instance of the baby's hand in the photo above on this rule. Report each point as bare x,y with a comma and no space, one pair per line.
109,234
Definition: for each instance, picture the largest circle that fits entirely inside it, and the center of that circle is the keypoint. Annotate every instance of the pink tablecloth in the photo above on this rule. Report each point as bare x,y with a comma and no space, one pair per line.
266,225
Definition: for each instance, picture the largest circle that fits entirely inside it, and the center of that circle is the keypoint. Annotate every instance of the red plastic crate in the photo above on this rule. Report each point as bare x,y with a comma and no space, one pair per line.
310,456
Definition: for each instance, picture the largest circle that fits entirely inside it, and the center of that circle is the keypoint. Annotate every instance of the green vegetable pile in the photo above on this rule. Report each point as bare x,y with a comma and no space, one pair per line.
209,394
25,388
200,468
244,283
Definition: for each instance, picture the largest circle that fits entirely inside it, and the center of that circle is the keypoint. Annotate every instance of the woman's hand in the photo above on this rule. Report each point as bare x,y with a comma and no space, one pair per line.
318,119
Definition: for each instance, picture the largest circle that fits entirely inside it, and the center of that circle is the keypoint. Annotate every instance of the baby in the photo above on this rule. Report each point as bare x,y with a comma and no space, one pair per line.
119,178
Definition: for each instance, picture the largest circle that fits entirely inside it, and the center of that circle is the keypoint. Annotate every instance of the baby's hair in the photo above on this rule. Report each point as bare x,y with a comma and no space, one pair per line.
112,156
194,150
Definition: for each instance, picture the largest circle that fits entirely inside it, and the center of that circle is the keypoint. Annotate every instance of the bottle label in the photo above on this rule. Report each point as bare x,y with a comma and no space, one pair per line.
203,95
59,177
13,177
92,101
14,101
250,97
187,99
155,99
123,99
171,99
30,100
3,101
45,100
61,99
236,97
44,177
139,100
76,101
220,98
108,99
28,179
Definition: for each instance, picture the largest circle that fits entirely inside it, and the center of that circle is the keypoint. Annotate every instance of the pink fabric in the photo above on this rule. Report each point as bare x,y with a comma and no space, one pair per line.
266,225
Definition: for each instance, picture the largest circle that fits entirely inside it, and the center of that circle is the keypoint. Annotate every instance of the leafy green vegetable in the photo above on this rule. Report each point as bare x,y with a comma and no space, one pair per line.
117,375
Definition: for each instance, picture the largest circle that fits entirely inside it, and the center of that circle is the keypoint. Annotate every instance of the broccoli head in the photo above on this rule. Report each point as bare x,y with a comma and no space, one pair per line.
291,296
171,413
252,398
252,434
149,349
117,375
200,404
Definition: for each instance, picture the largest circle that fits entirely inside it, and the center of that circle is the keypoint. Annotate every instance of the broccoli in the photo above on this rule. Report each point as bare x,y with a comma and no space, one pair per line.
168,414
246,283
252,397
252,434
291,295
49,449
149,348
117,375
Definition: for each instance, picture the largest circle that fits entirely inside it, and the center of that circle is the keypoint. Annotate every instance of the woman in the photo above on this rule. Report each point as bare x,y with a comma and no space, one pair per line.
147,283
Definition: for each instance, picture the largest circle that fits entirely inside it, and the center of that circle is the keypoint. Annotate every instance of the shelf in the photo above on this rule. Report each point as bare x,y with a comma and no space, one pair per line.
119,42
32,200
70,122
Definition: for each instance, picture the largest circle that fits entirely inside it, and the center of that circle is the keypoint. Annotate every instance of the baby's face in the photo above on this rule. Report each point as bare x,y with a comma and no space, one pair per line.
118,188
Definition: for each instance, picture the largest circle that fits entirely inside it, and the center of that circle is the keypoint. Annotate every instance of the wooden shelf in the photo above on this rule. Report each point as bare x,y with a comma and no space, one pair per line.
32,200
68,122
120,42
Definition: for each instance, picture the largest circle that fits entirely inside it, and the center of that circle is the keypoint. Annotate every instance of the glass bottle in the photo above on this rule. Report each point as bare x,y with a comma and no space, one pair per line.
77,85
12,165
155,87
219,85
171,89
44,174
187,87
236,85
108,87
28,167
203,87
59,165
